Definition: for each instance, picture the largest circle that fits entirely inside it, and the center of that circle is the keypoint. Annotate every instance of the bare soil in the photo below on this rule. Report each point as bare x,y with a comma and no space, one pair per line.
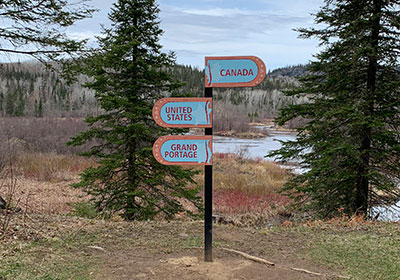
164,251
156,249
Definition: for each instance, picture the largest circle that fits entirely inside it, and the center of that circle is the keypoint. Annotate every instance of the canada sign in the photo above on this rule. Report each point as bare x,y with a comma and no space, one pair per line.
183,112
234,71
183,150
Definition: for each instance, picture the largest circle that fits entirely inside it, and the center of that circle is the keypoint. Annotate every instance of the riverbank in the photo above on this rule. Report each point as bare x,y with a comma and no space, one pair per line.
252,130
257,131
242,135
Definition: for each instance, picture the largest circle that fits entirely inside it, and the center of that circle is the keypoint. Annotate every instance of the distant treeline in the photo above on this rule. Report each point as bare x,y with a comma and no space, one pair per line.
30,89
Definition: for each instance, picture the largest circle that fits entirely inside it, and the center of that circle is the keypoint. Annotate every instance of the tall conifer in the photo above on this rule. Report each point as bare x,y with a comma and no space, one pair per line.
129,76
351,142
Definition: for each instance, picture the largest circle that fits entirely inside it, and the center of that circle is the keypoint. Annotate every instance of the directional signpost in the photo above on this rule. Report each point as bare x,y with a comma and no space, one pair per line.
225,71
231,71
183,150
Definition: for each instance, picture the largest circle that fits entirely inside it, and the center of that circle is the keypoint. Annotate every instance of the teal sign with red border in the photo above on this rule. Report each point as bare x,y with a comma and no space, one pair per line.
234,71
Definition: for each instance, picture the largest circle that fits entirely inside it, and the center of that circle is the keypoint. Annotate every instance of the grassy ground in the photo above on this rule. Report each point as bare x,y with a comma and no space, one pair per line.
48,242
77,248
364,251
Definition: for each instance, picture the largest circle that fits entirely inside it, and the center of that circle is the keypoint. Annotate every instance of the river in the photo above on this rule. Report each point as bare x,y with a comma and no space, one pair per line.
255,148
259,148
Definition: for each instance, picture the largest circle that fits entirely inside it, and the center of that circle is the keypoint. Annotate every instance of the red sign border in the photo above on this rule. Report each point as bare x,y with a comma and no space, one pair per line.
160,103
262,71
158,144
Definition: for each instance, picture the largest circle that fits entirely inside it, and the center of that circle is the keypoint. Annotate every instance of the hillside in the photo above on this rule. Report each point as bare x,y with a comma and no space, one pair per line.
30,89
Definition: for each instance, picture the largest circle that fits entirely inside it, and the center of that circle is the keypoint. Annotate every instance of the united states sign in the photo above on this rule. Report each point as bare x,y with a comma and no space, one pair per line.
183,112
234,71
183,150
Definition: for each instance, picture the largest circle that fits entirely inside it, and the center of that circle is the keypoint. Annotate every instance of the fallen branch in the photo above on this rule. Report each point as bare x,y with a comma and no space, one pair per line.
250,257
97,248
318,274
306,271
263,261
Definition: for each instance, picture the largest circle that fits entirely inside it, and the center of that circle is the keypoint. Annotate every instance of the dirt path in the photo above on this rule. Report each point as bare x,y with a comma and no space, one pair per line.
190,265
164,251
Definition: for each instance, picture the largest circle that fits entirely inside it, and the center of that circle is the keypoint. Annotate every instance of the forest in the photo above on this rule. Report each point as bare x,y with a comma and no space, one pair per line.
32,90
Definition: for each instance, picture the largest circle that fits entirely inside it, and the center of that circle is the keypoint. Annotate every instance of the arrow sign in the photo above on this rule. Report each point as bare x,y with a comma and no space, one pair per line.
183,112
183,150
234,71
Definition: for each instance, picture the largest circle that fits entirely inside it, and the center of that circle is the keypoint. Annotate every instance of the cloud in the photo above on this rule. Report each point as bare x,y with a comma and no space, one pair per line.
218,12
83,35
195,32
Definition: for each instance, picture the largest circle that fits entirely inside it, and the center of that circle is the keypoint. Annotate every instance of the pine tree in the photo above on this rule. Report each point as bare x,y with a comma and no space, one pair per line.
36,27
1,103
129,76
40,108
350,145
10,104
20,105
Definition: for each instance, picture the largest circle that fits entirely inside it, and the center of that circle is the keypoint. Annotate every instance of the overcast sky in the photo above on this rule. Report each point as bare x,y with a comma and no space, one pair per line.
194,29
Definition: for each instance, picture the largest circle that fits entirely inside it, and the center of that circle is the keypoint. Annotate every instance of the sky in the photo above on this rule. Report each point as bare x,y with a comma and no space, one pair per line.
194,29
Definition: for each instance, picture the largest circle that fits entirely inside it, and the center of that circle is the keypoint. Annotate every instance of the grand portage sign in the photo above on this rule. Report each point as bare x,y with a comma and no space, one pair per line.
234,71
183,150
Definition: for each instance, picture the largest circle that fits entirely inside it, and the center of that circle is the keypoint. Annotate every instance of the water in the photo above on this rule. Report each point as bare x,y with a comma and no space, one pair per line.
254,148
251,148
259,148
391,213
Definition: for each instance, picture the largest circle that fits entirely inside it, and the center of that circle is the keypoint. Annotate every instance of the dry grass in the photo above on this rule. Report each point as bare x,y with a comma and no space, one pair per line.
43,182
240,186
47,197
354,222
51,167
256,177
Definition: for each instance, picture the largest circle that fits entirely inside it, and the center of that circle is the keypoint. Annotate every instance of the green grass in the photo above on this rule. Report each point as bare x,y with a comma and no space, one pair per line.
47,259
85,210
364,251
363,255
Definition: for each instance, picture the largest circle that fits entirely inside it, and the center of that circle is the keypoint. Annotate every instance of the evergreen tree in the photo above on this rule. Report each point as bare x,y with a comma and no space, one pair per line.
350,145
40,108
1,103
10,104
36,108
20,106
35,27
128,72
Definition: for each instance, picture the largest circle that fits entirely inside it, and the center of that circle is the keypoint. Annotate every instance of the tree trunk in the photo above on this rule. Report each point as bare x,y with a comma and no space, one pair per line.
365,147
